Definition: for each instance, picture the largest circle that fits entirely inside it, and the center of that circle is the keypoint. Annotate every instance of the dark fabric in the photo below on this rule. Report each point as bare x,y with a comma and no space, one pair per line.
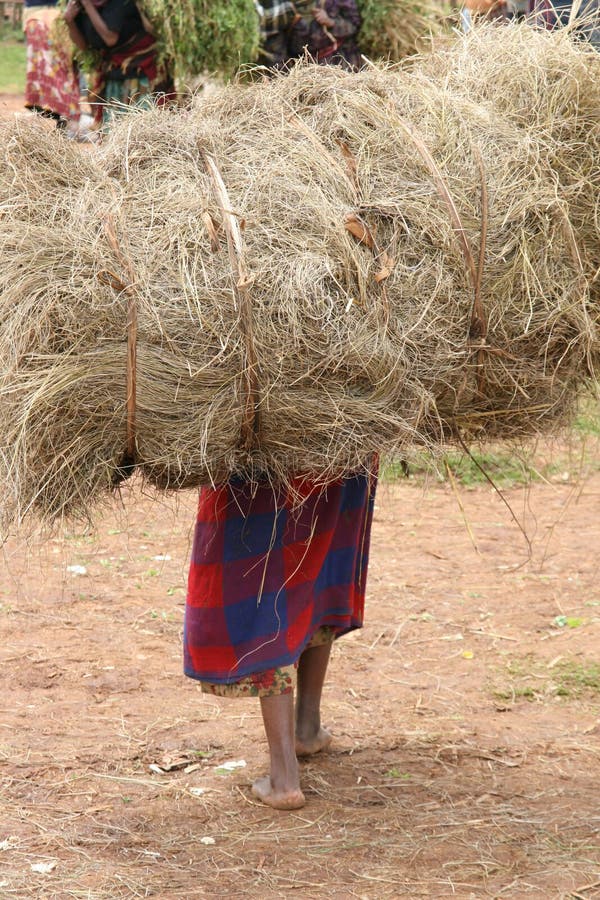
274,16
41,2
274,52
335,44
267,572
554,14
120,16
138,59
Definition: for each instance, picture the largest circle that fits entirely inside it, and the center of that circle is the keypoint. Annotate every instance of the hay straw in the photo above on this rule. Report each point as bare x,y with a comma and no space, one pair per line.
401,275
547,84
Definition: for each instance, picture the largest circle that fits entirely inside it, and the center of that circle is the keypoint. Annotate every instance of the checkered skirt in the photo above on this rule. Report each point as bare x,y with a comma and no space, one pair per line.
268,571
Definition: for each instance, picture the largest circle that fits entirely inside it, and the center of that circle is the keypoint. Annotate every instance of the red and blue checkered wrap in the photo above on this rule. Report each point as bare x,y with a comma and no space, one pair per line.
267,572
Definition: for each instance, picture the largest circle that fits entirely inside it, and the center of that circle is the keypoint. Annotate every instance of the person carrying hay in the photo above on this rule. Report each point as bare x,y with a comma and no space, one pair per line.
324,29
276,575
128,69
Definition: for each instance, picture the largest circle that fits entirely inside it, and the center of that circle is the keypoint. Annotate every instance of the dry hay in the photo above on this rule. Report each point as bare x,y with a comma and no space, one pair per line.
406,275
548,84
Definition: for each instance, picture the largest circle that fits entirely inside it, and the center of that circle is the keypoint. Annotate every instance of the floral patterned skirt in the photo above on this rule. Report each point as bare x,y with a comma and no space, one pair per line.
51,84
271,682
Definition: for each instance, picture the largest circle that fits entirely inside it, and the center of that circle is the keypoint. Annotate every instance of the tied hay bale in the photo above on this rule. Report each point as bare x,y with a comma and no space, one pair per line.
53,371
394,29
549,84
304,259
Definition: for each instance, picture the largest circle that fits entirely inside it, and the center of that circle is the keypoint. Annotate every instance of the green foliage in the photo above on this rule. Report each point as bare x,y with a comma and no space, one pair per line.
11,32
587,422
556,459
87,60
12,67
569,621
574,679
221,35
505,467
205,35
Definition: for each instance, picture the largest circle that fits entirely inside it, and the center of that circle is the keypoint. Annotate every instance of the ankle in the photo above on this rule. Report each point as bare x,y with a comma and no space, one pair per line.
285,775
308,722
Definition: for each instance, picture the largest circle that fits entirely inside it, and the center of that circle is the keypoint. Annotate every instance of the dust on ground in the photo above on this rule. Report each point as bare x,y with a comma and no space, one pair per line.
12,103
466,715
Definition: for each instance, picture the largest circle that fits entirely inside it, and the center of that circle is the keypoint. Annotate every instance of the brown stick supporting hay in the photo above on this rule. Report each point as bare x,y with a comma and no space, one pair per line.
242,283
128,290
420,264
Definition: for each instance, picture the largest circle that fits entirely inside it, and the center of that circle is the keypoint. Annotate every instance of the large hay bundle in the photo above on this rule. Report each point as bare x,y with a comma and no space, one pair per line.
219,36
318,268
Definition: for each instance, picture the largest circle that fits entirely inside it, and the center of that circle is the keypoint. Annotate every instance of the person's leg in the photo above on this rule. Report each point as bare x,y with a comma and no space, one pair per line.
312,667
281,787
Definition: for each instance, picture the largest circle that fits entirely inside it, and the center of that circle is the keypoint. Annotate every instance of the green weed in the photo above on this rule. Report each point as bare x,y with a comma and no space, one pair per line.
561,457
505,468
396,773
531,679
588,423
574,679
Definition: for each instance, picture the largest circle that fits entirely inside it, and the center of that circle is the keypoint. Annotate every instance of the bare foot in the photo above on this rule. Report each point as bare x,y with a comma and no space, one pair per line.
320,741
263,790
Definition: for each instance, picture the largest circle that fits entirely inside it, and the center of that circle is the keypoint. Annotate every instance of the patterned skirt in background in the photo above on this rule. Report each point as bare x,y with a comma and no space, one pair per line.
51,84
119,94
270,576
131,74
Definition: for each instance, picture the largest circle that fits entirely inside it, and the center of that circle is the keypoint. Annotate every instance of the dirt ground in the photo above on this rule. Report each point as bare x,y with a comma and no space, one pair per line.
466,715
11,103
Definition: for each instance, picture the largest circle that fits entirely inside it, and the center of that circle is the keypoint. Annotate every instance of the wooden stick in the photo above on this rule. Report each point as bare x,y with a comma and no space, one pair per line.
241,284
478,326
127,289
